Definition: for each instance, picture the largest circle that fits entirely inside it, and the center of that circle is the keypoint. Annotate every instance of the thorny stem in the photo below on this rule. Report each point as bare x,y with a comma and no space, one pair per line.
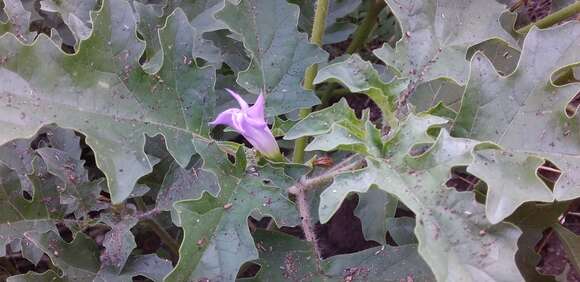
148,219
554,18
318,29
301,190
364,29
308,224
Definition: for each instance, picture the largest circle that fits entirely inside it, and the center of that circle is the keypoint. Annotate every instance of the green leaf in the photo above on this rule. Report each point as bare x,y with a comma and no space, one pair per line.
119,242
18,154
200,13
525,112
280,126
151,18
359,76
78,193
216,238
430,94
102,92
17,24
47,276
30,251
455,239
571,244
503,57
374,208
75,14
337,127
20,215
284,257
279,53
384,263
511,180
184,184
401,230
150,266
437,35
533,219
79,259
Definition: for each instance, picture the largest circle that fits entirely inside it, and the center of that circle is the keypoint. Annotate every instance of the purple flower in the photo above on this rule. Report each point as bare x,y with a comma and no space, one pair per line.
250,122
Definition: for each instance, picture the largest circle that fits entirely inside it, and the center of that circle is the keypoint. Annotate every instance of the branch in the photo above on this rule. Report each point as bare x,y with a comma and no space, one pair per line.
307,224
301,190
148,218
554,18
316,38
367,25
350,163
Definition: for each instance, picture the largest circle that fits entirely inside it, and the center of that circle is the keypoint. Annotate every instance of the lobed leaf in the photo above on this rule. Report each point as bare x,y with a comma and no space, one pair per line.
524,113
455,239
279,53
284,257
217,240
102,92
437,35
337,127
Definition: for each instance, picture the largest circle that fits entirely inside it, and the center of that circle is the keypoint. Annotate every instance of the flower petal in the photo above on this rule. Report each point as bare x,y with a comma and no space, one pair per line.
243,104
225,117
257,110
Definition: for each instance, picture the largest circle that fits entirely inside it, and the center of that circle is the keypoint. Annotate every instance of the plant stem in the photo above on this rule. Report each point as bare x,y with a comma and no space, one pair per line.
165,237
303,187
318,29
364,29
308,224
314,182
554,18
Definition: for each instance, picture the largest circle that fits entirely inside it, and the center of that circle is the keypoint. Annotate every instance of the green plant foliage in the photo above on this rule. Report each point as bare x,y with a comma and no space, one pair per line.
217,240
359,76
284,257
123,98
571,244
442,145
525,112
437,35
75,14
18,20
21,215
448,221
280,54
